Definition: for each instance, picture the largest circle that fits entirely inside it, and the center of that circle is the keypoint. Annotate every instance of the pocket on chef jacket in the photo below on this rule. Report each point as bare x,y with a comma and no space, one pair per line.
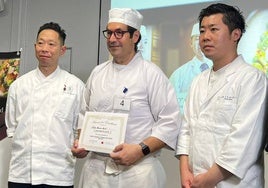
66,106
225,109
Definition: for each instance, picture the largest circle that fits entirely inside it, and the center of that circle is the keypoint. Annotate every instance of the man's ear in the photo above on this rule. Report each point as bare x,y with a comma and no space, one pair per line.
236,34
63,50
136,36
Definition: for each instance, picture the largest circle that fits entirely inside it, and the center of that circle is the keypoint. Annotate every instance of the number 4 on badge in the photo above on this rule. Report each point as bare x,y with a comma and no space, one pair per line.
122,103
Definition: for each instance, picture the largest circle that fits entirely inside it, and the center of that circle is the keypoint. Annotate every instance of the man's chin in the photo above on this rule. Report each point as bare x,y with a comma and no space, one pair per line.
114,52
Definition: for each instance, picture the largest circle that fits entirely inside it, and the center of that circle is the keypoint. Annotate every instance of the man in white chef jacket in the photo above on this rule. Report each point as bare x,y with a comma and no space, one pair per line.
41,116
129,84
222,136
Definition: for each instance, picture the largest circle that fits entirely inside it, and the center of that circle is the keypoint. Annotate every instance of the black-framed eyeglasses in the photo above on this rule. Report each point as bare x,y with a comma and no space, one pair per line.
117,33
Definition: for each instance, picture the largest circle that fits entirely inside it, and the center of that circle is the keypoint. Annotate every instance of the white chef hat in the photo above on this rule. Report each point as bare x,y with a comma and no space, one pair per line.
126,16
195,30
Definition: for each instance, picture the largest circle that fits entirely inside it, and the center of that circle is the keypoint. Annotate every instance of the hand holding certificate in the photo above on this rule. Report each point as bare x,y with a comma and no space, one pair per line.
102,131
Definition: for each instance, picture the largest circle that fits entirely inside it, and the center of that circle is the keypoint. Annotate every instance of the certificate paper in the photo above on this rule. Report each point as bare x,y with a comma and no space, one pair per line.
102,131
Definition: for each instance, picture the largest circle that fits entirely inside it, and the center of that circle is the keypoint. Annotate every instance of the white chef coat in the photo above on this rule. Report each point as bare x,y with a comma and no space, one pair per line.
41,116
224,124
153,109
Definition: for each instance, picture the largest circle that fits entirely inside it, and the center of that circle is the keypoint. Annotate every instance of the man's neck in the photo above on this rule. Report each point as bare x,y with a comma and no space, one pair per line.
47,70
124,60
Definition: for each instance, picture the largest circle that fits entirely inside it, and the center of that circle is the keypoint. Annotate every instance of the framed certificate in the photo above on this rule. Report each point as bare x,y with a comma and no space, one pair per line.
102,131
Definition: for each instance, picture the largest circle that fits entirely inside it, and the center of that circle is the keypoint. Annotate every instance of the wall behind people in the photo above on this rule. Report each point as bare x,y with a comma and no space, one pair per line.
21,18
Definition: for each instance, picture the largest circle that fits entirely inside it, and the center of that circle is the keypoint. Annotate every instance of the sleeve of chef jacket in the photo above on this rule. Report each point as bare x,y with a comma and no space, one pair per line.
244,144
266,122
80,92
84,107
164,107
84,102
10,114
183,142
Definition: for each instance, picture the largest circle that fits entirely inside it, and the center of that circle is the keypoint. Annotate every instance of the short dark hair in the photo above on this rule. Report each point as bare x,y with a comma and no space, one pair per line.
232,16
56,27
131,32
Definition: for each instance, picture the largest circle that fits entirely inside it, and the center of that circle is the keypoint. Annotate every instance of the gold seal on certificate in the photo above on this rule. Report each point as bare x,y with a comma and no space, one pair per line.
102,131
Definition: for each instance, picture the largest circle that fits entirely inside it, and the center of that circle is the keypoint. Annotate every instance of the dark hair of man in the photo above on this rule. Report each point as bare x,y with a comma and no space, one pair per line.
56,27
232,16
131,32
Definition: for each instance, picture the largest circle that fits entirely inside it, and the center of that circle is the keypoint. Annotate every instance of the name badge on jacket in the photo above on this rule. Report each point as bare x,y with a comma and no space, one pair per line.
122,103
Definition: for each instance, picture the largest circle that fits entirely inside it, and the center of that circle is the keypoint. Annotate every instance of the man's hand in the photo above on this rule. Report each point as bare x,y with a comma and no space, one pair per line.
127,154
78,152
201,181
211,178
186,175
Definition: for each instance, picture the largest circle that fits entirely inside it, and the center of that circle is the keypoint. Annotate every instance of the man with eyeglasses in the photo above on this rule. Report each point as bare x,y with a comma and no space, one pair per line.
149,100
